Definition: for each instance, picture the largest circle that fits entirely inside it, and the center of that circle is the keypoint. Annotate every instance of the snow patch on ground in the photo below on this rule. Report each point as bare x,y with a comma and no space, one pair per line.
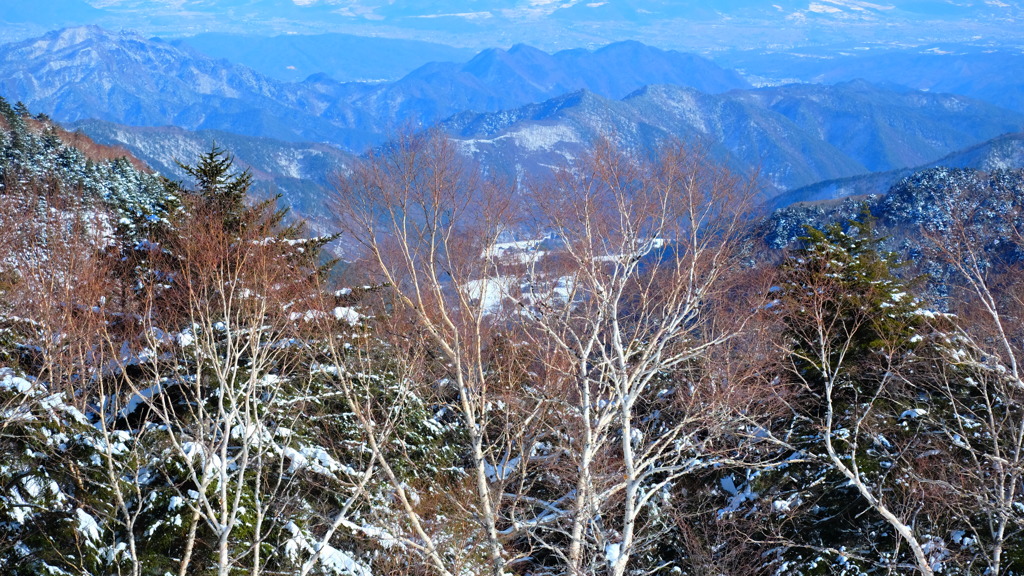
540,137
347,314
913,413
490,292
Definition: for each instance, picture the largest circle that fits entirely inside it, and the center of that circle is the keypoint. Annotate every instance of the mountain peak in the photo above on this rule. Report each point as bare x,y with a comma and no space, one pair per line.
521,49
66,37
663,91
579,98
626,46
520,60
485,59
73,36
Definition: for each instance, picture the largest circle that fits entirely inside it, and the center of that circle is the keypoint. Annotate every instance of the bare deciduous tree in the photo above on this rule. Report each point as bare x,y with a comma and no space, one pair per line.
977,382
420,216
223,323
626,310
851,325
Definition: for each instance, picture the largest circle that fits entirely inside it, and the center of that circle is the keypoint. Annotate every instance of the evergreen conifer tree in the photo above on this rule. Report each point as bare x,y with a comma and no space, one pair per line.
848,319
867,302
220,187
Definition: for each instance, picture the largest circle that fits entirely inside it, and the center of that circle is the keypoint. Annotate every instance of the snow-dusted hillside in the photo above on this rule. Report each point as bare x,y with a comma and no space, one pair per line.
1004,152
303,174
89,73
791,135
36,153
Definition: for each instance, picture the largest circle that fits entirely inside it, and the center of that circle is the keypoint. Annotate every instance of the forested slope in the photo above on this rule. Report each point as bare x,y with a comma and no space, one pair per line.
620,379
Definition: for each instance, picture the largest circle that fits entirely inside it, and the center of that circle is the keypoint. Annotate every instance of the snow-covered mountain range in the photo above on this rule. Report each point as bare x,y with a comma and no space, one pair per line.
88,72
792,135
515,109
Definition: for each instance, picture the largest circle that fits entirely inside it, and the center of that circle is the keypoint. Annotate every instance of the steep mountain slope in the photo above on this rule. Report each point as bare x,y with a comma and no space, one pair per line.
87,72
498,79
39,159
746,137
1004,152
612,71
792,135
885,129
927,197
301,173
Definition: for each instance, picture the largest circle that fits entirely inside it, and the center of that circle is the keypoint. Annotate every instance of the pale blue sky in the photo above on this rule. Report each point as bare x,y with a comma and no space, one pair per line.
551,24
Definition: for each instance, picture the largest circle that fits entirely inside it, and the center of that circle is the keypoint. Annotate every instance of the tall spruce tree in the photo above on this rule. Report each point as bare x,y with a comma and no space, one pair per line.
850,322
867,303
220,187
227,193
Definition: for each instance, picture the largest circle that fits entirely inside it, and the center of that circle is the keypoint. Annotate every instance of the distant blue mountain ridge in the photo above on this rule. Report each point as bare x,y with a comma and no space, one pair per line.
519,110
87,72
791,135
1005,152
978,69
343,57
